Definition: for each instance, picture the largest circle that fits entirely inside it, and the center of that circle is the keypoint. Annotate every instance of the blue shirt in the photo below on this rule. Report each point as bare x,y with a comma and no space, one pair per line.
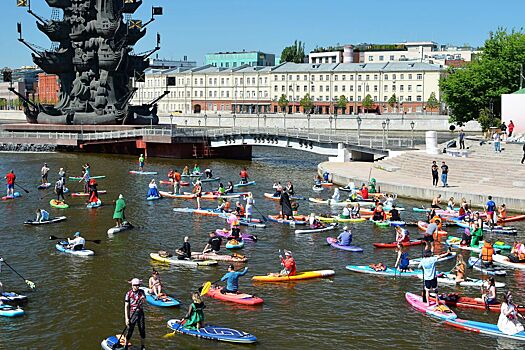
491,206
232,279
345,238
429,267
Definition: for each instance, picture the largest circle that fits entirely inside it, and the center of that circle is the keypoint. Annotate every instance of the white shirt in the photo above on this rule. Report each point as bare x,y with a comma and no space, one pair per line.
76,241
346,211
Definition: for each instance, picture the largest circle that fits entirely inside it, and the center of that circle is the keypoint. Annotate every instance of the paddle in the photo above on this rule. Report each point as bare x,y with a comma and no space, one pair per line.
424,296
96,241
28,282
263,217
26,191
117,344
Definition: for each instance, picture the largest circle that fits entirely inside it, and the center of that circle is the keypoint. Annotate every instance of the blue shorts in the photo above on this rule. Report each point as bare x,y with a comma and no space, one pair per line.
10,186
141,165
491,301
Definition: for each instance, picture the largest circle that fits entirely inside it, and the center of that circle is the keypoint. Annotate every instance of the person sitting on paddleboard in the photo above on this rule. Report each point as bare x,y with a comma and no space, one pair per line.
154,284
314,222
184,252
379,214
221,190
451,204
153,190
232,280
355,212
134,312
214,244
477,235
222,205
394,214
229,188
76,243
186,170
403,261
194,318
402,235
517,253
345,237
59,189
318,180
196,169
120,207
141,162
208,173
239,208
436,201
289,188
347,212
489,295
364,192
235,227
288,263
486,254
244,175
502,212
44,172
250,202
459,268
10,177
41,215
508,319
278,189
326,176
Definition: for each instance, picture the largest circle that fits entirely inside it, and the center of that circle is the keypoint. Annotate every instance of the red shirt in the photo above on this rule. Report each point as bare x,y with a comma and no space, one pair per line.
10,178
289,264
244,174
177,177
135,299
364,193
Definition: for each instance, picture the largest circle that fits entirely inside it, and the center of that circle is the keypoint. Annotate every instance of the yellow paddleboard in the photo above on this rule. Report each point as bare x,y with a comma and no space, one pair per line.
299,276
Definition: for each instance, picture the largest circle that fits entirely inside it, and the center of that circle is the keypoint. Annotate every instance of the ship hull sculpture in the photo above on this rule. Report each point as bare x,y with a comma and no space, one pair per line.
95,64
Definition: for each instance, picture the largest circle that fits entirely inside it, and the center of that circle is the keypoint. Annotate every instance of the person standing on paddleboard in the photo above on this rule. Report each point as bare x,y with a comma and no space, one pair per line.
214,244
85,178
176,182
428,236
44,172
59,189
286,206
197,191
244,175
428,263
120,207
134,312
250,202
10,177
141,162
232,280
490,208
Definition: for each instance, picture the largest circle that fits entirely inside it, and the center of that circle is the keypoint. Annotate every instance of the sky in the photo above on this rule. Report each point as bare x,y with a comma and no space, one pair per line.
195,27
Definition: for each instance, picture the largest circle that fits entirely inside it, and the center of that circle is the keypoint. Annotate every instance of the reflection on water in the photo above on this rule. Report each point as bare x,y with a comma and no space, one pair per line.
79,301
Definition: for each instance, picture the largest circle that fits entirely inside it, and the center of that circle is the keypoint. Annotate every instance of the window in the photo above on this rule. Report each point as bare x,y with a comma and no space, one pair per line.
275,77
241,81
358,88
282,88
290,87
375,88
409,88
227,64
253,81
367,88
386,76
215,94
402,76
313,77
418,98
236,81
375,76
344,88
201,94
336,77
401,88
195,81
335,88
410,76
297,77
328,98
305,77
392,57
394,77
305,88
351,99
321,88
234,64
343,77
393,88
351,77
375,98
313,88
419,76
210,81
381,58
327,77
320,98
222,81
409,98
283,77
359,98
351,88
367,77
265,80
275,88
289,77
321,78
359,77
196,93
400,98
222,93
370,58
419,88
327,88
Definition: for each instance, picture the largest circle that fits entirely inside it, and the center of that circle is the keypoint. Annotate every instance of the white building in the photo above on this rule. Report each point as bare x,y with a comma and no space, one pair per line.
339,56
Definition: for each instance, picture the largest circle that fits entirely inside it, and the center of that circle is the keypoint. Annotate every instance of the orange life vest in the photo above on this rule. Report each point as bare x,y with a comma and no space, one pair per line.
486,252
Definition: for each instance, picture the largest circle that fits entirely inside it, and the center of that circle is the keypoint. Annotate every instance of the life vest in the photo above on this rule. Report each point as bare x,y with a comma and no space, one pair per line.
227,206
486,252
289,264
438,221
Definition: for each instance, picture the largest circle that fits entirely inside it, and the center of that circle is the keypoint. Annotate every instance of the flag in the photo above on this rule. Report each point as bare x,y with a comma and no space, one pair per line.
140,77
21,3
135,23
157,11
8,76
171,81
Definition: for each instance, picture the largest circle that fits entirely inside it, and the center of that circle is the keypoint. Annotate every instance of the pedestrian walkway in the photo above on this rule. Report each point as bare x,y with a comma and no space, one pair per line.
481,174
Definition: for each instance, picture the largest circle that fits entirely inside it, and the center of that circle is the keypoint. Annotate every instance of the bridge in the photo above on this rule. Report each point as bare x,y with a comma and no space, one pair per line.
188,142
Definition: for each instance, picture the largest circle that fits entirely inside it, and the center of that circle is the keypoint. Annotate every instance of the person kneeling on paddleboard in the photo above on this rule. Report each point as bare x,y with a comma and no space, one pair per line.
194,318
134,312
213,245
184,252
402,235
153,190
232,280
154,284
76,243
208,173
41,215
288,263
345,237
403,261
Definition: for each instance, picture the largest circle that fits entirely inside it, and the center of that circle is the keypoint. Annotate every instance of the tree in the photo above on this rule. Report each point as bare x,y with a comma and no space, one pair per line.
342,101
486,120
469,91
283,103
392,101
367,102
307,103
432,102
293,53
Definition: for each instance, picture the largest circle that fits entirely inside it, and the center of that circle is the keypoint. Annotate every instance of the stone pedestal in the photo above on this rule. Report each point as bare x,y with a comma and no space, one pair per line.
431,142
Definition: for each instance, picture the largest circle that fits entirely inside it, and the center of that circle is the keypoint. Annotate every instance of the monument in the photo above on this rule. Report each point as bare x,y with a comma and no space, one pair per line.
92,54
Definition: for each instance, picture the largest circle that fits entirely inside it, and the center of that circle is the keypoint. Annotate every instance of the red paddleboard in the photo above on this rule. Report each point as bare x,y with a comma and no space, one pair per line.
513,218
471,303
239,298
394,244
167,182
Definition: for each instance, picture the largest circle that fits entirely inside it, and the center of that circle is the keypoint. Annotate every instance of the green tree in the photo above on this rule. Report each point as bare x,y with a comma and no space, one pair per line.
283,103
469,91
367,102
342,101
392,101
307,103
432,102
293,53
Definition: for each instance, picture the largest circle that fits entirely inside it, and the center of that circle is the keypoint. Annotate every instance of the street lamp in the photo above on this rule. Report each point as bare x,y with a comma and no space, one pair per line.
219,120
412,125
330,118
387,127
383,124
171,123
264,116
205,120
359,121
308,118
234,117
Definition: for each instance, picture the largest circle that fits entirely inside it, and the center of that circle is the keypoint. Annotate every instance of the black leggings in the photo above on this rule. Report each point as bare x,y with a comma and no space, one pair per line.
60,193
139,318
435,180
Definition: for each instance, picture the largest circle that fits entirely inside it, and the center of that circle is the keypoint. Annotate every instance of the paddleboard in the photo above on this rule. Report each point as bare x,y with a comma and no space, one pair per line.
11,297
153,198
137,172
244,236
211,179
334,243
84,252
58,204
394,244
44,186
512,218
174,261
390,272
238,298
10,311
234,258
415,262
163,301
275,218
92,205
45,222
440,311
124,227
15,195
317,189
110,343
297,277
477,264
234,244
483,328
78,178
84,194
214,333
504,261
457,300
249,183
315,230
448,278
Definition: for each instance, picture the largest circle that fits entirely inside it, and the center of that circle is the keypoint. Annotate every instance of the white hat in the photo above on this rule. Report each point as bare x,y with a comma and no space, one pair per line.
287,252
135,282
345,228
120,196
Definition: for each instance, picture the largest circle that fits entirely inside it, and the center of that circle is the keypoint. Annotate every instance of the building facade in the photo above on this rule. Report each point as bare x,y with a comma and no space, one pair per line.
333,88
238,59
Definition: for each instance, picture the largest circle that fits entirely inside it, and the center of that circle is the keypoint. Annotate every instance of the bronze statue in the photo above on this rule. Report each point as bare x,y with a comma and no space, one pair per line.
94,60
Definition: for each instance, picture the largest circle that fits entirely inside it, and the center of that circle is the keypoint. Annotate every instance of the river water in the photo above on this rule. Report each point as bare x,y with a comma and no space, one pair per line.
79,301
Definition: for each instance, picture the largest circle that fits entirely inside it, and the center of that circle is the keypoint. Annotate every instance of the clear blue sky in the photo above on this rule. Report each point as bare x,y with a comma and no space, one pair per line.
194,28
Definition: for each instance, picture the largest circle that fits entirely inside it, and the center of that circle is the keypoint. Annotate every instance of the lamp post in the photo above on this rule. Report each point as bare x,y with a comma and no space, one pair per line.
219,120
412,125
234,117
330,118
205,121
258,121
387,127
308,118
359,120
383,124
171,123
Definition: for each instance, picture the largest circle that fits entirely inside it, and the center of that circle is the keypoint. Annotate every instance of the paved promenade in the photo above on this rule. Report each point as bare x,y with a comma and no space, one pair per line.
474,178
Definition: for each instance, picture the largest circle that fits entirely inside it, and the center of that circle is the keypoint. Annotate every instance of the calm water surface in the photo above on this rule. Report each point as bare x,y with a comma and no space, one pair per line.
78,302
